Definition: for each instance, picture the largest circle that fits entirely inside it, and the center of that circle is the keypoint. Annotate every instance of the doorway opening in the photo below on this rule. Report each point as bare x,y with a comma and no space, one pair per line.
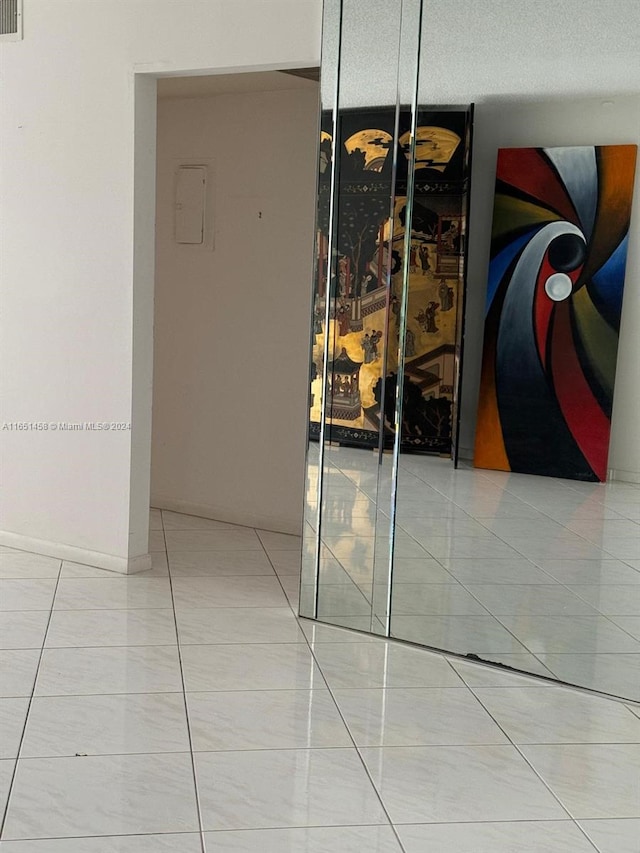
235,212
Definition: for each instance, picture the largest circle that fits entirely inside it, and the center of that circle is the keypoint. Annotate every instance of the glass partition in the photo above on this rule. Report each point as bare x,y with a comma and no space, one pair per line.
364,165
403,536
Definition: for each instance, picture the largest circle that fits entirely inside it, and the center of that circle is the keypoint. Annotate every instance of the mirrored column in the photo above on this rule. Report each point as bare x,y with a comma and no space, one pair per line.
365,148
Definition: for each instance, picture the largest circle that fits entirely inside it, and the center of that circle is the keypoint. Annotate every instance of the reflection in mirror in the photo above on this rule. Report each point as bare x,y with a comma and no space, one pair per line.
530,572
403,536
311,552
362,162
431,368
515,571
400,230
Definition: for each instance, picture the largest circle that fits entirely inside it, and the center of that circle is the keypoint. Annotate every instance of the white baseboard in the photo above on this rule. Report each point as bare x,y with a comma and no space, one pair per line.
623,476
615,474
123,565
262,521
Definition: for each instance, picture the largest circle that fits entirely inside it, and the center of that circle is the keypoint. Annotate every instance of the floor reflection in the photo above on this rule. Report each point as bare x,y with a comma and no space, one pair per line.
533,572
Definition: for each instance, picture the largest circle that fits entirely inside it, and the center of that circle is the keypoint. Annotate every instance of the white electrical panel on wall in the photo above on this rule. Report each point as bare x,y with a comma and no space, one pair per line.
190,207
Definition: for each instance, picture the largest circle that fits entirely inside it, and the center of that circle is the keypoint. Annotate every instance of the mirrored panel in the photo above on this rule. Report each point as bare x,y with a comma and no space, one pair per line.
311,551
362,188
538,573
515,563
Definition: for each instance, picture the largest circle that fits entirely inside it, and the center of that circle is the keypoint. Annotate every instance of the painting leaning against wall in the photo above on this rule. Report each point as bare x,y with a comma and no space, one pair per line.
554,301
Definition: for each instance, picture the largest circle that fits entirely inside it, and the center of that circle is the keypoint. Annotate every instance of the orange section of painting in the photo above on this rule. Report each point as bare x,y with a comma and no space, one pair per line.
616,166
490,451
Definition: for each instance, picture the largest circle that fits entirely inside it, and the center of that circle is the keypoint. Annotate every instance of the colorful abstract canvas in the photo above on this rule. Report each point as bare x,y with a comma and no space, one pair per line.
556,277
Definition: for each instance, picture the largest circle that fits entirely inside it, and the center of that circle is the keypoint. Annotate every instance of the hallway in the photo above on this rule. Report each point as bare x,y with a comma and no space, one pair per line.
187,709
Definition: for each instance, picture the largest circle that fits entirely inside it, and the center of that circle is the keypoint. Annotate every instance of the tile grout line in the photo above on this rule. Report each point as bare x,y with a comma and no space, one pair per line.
30,702
471,690
543,678
529,505
494,666
520,753
329,688
552,580
530,765
184,699
438,745
338,709
306,641
516,638
556,678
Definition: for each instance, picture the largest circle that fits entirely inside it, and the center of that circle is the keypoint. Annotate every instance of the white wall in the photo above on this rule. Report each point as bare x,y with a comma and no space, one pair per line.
232,323
70,324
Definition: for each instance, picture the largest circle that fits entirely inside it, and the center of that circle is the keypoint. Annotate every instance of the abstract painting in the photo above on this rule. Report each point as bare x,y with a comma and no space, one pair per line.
554,299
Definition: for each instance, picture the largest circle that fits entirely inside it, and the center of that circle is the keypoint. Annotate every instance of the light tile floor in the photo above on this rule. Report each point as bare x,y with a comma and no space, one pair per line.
187,709
538,573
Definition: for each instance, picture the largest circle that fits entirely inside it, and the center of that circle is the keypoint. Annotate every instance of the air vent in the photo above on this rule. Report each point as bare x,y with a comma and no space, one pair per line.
10,20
